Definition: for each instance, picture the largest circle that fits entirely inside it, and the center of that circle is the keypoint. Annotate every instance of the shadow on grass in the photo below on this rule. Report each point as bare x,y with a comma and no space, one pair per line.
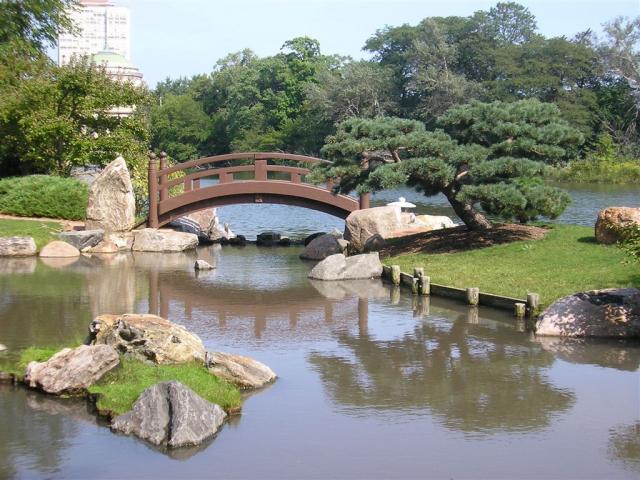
587,240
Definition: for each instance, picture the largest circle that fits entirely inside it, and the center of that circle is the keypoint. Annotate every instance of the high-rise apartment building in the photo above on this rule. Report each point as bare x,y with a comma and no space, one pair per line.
102,26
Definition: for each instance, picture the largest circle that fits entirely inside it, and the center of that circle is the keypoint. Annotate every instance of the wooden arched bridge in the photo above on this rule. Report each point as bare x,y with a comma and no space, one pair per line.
262,181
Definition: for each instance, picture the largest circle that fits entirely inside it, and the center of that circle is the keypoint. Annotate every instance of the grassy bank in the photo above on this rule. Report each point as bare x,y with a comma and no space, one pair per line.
42,232
618,171
118,390
565,261
43,196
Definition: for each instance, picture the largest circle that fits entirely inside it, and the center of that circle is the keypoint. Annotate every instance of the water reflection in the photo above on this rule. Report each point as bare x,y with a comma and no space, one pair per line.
471,372
608,353
624,445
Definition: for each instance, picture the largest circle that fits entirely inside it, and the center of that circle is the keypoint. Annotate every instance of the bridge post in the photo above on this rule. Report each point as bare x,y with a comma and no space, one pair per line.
364,197
153,191
164,191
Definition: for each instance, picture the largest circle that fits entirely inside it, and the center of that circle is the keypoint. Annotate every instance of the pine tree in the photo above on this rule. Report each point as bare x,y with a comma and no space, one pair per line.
492,155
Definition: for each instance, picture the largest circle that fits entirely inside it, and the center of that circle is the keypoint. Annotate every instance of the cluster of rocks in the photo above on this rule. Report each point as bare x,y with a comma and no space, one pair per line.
167,414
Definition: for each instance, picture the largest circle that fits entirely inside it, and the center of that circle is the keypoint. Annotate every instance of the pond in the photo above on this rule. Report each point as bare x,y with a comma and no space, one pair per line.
372,383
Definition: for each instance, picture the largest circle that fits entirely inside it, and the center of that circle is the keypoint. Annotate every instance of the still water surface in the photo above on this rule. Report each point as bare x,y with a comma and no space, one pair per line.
372,384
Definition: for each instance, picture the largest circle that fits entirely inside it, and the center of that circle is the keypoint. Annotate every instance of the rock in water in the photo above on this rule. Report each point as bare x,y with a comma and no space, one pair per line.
169,413
597,313
153,240
243,372
58,248
201,223
112,205
611,219
362,224
268,239
72,370
83,238
321,247
203,265
17,247
147,337
339,267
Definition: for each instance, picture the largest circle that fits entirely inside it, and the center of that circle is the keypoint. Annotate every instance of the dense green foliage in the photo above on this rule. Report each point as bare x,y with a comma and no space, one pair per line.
293,100
566,261
488,154
630,240
42,232
119,389
43,196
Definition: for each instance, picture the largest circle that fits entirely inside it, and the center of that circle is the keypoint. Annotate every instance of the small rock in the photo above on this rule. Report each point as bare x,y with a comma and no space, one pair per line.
375,243
17,247
147,338
243,372
268,239
284,242
434,222
153,240
82,239
321,247
72,370
105,246
171,414
597,313
611,219
238,240
2,347
203,265
58,248
339,267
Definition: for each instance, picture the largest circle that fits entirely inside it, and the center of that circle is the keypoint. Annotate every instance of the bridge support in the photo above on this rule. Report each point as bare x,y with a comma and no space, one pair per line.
153,191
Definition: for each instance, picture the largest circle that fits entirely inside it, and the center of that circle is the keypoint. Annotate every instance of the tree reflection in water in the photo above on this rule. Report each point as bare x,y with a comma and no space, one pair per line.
475,375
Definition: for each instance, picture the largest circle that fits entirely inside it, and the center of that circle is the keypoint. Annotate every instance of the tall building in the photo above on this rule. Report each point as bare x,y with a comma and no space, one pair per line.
101,26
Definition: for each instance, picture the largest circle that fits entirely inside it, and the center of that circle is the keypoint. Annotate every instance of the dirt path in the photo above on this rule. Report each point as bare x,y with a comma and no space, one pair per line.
458,239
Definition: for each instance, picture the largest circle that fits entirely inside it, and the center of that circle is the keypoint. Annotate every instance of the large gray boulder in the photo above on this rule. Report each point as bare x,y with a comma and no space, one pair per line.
153,240
321,247
17,247
362,224
82,238
611,219
171,414
597,313
243,372
71,371
339,267
112,204
147,337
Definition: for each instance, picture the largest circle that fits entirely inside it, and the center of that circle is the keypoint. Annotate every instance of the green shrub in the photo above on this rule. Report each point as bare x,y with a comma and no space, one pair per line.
43,196
600,170
630,240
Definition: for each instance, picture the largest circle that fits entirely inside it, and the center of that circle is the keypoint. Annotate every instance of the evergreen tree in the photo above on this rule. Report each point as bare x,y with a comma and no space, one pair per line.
491,155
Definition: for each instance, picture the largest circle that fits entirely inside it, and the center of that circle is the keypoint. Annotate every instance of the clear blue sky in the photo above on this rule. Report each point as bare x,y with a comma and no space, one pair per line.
173,38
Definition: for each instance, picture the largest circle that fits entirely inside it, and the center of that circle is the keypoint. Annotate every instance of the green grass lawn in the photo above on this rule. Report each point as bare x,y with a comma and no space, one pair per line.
566,261
42,232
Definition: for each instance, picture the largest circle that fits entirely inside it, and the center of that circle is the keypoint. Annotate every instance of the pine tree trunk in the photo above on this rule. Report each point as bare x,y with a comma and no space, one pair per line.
471,217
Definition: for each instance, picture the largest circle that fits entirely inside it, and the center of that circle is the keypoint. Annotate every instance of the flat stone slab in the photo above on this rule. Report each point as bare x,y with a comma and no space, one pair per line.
82,238
153,240
171,414
17,247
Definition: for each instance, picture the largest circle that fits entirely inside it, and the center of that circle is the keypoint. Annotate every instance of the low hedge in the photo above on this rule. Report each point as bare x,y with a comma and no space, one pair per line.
44,196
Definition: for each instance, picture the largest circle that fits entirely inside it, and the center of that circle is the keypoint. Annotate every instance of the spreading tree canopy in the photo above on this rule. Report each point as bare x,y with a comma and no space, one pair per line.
491,155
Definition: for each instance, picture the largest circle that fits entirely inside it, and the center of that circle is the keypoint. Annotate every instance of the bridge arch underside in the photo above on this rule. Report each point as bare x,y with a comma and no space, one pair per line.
256,192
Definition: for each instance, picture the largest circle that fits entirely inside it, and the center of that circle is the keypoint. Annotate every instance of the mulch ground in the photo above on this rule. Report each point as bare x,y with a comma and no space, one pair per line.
458,239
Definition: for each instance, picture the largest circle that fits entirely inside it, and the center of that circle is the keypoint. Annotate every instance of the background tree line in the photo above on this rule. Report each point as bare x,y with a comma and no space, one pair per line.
293,100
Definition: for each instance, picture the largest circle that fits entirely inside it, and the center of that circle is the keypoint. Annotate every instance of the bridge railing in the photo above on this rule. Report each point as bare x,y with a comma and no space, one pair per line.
160,183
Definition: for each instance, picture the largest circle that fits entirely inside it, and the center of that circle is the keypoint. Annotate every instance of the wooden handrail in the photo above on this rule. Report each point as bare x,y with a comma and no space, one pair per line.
241,156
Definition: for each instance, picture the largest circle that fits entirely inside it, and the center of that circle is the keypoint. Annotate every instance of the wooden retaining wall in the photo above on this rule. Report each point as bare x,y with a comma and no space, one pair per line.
420,284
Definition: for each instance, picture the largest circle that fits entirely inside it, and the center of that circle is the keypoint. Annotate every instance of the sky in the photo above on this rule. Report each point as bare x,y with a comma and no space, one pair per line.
177,38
